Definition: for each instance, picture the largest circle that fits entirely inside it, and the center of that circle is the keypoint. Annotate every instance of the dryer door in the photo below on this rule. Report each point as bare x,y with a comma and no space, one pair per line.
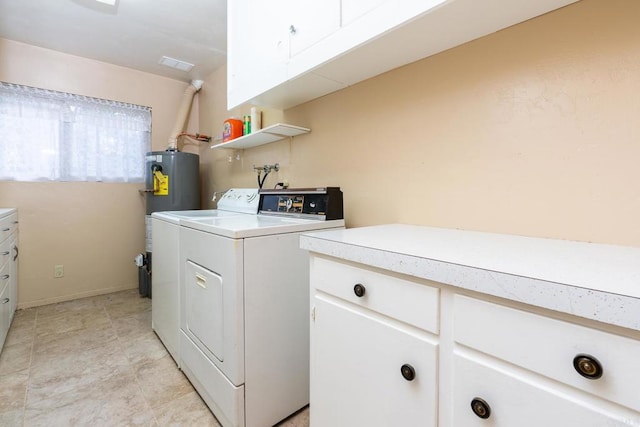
204,304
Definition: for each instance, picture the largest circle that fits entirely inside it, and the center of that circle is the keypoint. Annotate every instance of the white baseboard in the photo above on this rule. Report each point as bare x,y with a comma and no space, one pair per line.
63,298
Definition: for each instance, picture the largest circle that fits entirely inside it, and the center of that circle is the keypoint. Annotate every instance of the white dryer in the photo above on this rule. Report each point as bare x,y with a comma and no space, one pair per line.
244,318
165,303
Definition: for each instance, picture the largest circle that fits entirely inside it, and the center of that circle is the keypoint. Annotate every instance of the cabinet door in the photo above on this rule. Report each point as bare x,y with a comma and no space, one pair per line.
356,362
311,21
516,398
257,48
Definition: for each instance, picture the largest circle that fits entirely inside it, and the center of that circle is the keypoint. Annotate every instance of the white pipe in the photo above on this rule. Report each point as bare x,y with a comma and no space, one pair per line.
183,113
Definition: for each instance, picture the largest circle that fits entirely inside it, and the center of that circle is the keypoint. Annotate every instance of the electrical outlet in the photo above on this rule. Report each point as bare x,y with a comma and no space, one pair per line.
58,271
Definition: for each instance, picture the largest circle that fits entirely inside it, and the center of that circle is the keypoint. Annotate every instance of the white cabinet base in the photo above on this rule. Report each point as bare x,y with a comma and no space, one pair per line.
520,364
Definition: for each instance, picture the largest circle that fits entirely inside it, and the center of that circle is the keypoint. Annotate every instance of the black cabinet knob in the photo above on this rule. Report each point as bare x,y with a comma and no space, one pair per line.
359,290
407,371
480,408
587,366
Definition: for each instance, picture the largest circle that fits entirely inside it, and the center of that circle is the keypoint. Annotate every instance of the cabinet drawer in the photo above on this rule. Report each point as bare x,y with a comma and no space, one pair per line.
523,401
5,253
409,302
549,347
8,226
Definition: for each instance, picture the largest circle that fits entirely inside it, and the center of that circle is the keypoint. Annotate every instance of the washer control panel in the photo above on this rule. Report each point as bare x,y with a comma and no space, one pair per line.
323,203
243,200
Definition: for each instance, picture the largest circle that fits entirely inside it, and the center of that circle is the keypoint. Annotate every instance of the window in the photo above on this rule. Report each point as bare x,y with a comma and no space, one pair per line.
53,136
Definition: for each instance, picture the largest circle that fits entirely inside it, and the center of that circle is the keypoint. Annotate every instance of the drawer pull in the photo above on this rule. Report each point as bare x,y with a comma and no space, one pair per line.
6,229
5,277
359,290
5,253
480,408
408,373
201,281
4,300
587,366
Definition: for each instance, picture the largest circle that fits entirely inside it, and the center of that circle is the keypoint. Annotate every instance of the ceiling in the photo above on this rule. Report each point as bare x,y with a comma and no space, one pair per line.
131,33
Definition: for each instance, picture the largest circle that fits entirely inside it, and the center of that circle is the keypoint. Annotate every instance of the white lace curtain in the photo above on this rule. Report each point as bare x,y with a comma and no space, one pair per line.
53,136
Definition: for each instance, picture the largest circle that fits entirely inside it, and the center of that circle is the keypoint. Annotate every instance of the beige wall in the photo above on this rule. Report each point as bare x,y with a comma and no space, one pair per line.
532,131
93,229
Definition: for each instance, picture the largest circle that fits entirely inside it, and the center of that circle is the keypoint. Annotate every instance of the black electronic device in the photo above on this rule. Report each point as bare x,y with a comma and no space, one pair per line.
324,203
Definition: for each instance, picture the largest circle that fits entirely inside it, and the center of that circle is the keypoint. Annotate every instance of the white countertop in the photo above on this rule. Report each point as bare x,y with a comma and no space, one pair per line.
6,211
594,281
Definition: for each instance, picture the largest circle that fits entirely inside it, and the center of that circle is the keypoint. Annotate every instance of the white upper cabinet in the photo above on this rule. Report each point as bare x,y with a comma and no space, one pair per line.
257,48
282,53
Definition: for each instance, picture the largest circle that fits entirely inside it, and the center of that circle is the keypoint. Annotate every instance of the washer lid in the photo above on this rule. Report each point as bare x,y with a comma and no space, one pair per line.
175,217
241,226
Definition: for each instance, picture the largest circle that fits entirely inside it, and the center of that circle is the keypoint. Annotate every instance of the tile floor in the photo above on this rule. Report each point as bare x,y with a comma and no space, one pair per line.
96,362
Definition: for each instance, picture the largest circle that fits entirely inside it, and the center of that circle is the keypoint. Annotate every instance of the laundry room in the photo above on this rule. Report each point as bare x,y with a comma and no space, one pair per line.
444,191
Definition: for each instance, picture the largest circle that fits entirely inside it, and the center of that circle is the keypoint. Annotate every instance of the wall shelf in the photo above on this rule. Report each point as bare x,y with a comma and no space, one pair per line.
269,134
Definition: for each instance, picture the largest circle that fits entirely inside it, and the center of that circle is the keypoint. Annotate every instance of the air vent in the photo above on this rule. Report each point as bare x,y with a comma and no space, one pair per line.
176,63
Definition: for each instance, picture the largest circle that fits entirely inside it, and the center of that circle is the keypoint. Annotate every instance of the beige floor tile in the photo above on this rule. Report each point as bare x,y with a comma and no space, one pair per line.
70,321
187,410
23,330
144,349
15,358
12,418
128,308
116,401
96,362
60,344
13,389
50,376
122,296
162,382
132,326
25,314
125,303
299,419
74,306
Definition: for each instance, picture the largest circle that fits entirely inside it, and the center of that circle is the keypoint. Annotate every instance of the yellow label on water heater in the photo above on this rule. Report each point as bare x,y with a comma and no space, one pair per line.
160,184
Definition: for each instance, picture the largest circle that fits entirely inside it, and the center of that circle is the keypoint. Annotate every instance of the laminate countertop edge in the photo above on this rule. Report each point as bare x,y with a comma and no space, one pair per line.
7,211
528,269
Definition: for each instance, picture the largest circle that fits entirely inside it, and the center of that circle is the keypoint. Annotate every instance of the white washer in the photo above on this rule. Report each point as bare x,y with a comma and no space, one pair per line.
165,303
244,318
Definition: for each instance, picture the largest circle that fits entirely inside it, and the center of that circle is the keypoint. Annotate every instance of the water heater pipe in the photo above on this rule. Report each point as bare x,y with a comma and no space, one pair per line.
183,113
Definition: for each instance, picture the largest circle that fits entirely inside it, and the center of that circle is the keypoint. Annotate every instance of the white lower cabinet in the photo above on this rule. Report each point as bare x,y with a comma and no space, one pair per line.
8,270
370,364
471,360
